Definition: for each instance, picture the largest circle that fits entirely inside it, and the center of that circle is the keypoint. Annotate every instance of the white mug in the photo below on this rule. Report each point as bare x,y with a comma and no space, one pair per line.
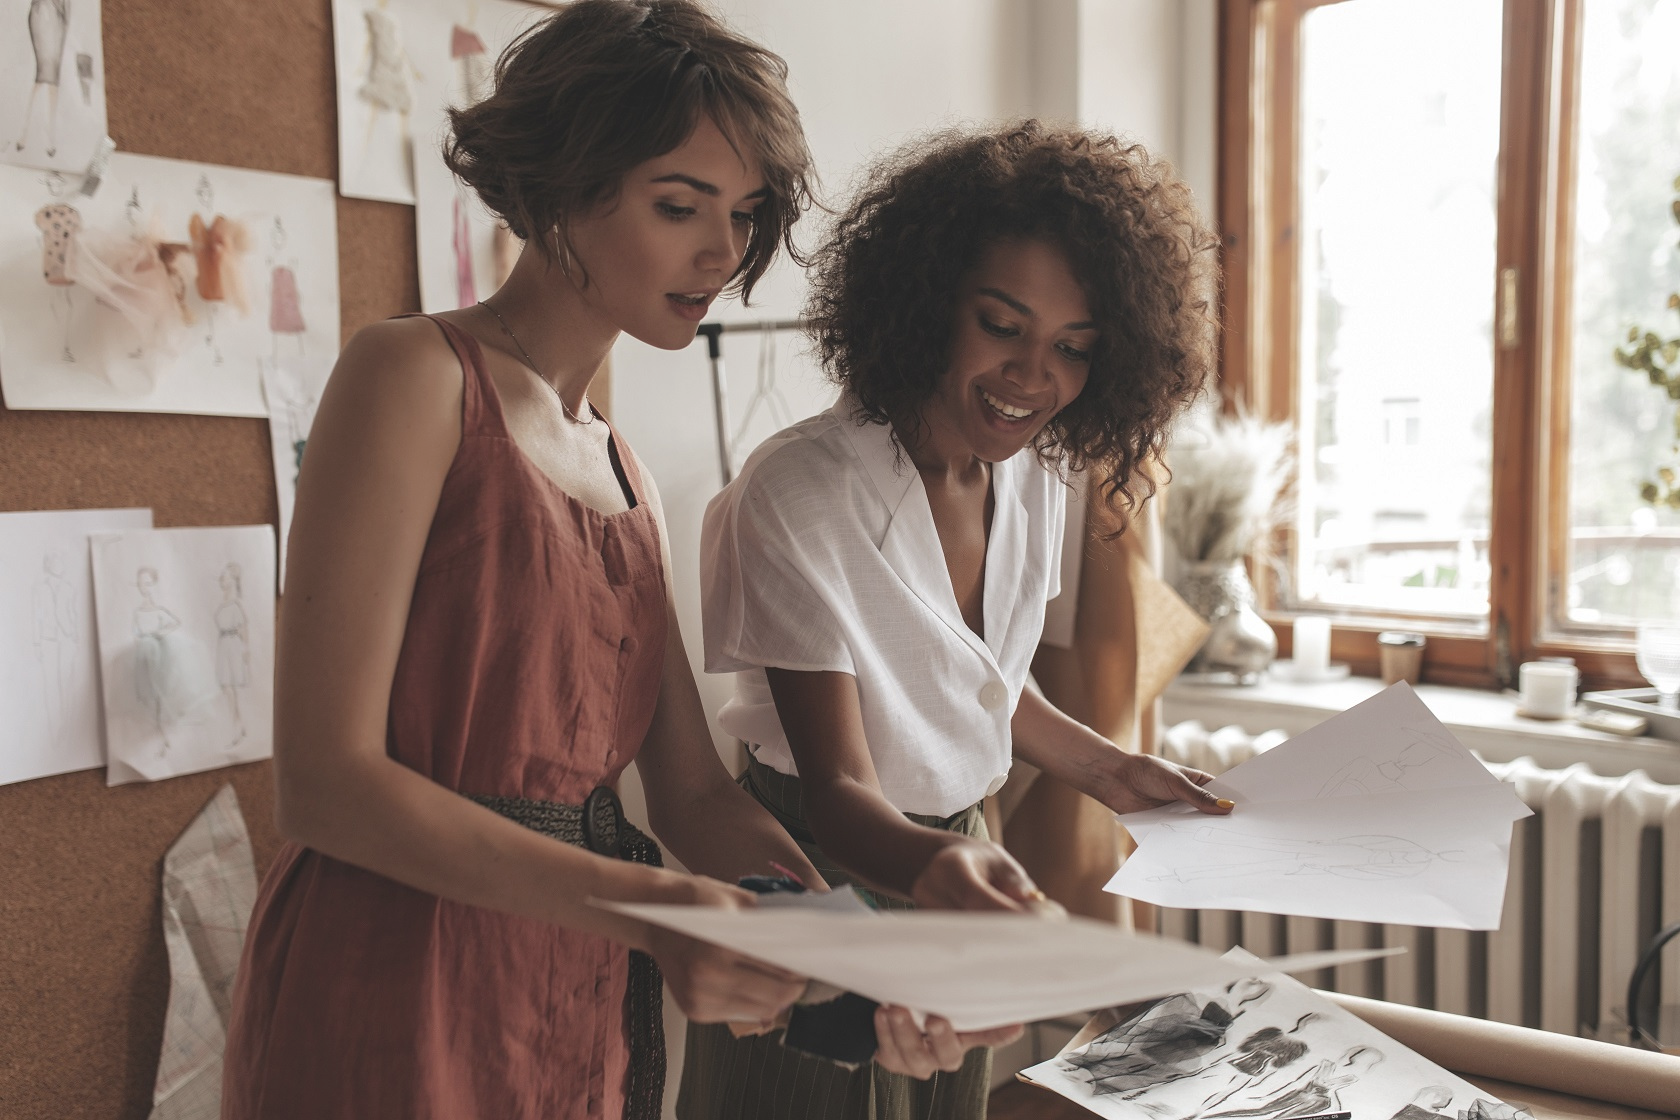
1547,688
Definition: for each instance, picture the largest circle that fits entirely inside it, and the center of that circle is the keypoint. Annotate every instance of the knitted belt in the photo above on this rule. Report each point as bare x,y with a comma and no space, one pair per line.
599,826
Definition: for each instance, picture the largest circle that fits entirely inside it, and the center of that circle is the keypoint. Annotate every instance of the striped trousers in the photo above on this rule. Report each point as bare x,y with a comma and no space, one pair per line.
757,1078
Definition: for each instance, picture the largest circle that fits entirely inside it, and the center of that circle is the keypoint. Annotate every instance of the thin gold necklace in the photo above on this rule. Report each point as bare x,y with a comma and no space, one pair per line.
532,366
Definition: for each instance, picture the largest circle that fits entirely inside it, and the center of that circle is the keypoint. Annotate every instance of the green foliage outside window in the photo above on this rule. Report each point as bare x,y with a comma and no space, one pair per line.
1659,359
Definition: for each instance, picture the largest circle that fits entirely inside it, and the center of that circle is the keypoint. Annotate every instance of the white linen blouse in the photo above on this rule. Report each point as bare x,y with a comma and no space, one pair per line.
822,555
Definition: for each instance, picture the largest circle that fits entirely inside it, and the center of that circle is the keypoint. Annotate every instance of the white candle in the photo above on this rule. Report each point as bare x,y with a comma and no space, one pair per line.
1547,688
1312,644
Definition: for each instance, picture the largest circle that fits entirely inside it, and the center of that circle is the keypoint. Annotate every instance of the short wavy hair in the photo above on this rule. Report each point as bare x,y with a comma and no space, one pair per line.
600,86
881,308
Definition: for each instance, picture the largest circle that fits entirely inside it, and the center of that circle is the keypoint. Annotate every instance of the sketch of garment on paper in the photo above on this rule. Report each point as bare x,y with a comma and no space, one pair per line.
84,75
169,681
1167,1042
1371,775
1258,1061
128,274
473,60
49,25
233,646
1315,1091
59,223
1427,1103
1371,858
285,310
219,246
58,641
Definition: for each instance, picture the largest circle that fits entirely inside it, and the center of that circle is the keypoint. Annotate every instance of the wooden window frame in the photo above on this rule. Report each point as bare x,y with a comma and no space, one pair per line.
1257,205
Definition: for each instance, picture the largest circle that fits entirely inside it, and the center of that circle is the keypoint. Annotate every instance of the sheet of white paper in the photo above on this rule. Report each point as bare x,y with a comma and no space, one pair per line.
1378,814
1355,858
186,645
136,335
52,98
1256,1048
456,43
292,387
209,888
49,649
977,970
374,51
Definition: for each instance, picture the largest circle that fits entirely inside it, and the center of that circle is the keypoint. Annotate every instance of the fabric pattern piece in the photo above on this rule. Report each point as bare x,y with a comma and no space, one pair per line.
59,223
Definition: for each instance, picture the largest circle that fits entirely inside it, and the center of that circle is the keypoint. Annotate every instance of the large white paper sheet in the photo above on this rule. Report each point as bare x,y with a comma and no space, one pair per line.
162,291
1264,1047
1378,814
52,93
49,649
456,43
209,888
977,970
293,388
186,644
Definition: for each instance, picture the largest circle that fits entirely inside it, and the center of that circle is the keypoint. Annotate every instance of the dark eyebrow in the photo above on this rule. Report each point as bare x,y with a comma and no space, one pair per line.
1022,309
707,188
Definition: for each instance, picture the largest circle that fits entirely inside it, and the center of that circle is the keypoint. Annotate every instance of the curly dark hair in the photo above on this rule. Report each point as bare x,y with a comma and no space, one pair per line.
603,85
885,283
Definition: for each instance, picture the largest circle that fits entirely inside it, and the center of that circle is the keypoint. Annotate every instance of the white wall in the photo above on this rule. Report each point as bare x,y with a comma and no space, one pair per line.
867,75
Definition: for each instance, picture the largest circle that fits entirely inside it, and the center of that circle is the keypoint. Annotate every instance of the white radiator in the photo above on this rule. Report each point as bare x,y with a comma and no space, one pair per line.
1594,874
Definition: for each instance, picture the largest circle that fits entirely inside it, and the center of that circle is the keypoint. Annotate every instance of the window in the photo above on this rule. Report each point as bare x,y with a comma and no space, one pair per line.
1441,217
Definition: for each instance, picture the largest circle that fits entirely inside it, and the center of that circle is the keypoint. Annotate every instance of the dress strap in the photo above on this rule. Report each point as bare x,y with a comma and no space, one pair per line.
481,405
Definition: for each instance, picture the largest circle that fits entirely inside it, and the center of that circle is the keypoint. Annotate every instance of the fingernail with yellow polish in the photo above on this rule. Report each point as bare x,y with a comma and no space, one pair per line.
1224,803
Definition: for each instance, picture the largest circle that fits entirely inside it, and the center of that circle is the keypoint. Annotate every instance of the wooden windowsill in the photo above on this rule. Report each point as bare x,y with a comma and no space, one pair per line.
1484,721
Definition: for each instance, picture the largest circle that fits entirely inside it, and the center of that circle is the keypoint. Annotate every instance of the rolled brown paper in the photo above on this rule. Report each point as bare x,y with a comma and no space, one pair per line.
1581,1067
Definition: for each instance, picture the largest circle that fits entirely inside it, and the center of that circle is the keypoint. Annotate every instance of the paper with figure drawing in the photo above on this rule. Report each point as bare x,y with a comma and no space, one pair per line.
1376,815
1034,968
186,647
1263,1046
52,83
292,387
49,652
161,292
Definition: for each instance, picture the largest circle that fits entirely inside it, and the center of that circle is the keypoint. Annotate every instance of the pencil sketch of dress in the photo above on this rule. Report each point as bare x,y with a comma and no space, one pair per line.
1369,858
1167,1042
1259,1059
1427,1104
59,223
57,641
155,670
387,77
1315,1091
233,646
1370,775
49,24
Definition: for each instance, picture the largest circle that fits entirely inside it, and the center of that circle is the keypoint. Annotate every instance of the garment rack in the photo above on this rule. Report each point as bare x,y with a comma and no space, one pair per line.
714,333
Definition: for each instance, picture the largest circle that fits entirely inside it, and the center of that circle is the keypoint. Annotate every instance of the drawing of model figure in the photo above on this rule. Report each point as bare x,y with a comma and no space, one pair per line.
285,312
386,87
1166,1043
233,646
59,223
1260,1059
155,670
57,640
1315,1091
219,245
1351,857
49,25
1368,775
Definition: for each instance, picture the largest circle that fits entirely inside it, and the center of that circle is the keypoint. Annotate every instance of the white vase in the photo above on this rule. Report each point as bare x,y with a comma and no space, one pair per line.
1239,641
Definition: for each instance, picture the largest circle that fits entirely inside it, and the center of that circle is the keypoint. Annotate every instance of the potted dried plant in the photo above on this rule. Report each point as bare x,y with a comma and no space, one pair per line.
1230,481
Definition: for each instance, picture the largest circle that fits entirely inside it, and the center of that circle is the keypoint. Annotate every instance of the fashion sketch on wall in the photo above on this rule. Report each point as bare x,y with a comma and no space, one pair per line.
464,253
293,387
373,43
186,644
49,653
163,290
52,83
1266,1048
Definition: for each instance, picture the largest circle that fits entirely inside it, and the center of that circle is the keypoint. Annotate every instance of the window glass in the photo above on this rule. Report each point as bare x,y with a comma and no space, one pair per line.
1399,145
1623,552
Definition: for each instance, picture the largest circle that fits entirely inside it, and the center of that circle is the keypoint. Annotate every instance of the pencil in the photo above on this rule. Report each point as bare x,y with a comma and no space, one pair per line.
1328,1116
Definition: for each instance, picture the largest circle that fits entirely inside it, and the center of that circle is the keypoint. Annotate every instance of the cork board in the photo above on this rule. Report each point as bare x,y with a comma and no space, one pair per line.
83,975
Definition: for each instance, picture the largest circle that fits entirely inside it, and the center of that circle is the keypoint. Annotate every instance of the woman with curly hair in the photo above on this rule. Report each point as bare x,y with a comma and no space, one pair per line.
479,634
998,309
